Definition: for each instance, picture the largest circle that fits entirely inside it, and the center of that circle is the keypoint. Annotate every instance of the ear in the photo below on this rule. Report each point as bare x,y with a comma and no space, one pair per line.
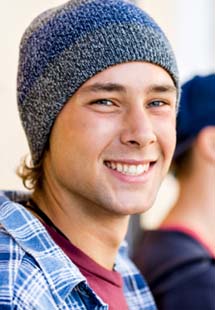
206,143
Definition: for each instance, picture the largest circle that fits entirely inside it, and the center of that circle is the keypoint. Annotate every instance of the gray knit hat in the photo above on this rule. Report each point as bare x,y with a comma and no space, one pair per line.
65,46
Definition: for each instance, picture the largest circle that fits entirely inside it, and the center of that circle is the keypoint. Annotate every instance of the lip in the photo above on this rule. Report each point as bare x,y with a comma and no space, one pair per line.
131,161
138,179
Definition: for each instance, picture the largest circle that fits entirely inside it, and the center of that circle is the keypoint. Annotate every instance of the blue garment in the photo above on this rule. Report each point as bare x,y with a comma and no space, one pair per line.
37,275
179,269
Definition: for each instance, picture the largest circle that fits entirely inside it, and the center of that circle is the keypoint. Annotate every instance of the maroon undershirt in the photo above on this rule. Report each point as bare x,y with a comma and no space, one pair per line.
107,284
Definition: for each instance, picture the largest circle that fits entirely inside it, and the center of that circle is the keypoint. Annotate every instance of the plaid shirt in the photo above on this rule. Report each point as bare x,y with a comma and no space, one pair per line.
37,275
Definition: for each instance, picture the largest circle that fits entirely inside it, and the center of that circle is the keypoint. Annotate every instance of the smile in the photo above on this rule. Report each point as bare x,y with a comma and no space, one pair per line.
128,169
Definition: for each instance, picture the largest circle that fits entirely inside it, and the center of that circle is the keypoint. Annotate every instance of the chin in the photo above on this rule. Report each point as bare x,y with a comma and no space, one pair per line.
131,209
142,209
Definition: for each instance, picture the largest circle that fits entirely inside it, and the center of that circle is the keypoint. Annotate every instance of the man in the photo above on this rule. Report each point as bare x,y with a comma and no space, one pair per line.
97,93
178,259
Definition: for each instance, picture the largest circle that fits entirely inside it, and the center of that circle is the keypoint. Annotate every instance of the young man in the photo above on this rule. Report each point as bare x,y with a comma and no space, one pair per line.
178,259
97,93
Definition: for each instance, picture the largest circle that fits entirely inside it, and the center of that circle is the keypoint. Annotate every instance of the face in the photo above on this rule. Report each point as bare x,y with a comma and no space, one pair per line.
112,143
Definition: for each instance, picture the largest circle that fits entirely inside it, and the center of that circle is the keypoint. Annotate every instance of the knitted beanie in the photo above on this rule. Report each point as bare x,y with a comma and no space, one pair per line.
197,110
65,46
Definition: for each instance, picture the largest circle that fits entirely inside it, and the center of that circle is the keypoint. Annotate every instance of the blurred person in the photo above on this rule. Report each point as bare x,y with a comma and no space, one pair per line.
178,259
97,96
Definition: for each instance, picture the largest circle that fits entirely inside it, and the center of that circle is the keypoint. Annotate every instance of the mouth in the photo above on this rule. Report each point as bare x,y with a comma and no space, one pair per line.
129,169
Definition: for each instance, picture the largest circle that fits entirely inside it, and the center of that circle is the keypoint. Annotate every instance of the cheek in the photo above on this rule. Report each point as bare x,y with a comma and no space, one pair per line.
94,133
167,136
171,143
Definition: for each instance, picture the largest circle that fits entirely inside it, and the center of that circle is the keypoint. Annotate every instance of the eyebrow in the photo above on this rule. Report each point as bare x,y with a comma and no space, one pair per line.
161,88
111,87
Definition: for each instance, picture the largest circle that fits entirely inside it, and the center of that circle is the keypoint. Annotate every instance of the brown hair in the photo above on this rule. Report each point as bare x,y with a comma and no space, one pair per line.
30,174
182,165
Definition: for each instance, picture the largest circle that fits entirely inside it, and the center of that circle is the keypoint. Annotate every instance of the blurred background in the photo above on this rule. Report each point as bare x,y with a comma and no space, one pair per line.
190,27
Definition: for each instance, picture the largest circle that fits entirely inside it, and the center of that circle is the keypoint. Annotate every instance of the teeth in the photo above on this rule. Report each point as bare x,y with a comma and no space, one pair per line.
128,169
132,169
140,169
119,167
125,168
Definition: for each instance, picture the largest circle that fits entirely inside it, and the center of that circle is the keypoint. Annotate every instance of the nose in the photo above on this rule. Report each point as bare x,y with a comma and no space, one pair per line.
138,130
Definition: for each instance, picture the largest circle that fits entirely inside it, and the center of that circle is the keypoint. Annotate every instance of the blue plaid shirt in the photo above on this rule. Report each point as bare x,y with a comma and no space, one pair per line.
37,275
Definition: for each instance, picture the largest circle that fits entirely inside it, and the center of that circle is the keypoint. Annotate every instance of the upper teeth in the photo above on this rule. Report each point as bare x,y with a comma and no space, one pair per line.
128,169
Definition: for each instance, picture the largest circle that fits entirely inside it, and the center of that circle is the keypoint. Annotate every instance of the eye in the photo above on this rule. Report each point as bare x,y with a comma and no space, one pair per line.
104,105
157,103
103,102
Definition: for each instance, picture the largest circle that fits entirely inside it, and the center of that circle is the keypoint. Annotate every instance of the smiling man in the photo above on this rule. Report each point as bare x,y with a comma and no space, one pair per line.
97,95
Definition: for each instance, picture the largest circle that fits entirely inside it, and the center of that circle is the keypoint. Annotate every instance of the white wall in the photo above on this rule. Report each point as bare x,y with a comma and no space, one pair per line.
188,23
190,27
15,16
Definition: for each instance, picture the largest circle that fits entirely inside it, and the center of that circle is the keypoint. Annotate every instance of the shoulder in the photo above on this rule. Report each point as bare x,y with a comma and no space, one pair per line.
174,248
35,272
11,255
21,278
180,271
172,256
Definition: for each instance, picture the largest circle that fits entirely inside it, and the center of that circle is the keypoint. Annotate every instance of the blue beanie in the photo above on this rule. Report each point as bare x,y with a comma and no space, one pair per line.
197,110
67,45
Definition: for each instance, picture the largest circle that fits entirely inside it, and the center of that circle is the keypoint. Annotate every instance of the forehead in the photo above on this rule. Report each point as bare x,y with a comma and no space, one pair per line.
131,75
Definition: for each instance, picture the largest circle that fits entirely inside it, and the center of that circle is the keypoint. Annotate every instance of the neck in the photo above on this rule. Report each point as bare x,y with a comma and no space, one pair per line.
195,209
98,234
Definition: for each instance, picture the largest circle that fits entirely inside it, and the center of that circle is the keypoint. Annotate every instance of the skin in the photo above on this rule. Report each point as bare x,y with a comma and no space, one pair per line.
195,206
126,115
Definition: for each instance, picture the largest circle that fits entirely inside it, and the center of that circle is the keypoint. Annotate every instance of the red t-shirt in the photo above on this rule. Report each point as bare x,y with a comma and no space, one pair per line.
107,284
